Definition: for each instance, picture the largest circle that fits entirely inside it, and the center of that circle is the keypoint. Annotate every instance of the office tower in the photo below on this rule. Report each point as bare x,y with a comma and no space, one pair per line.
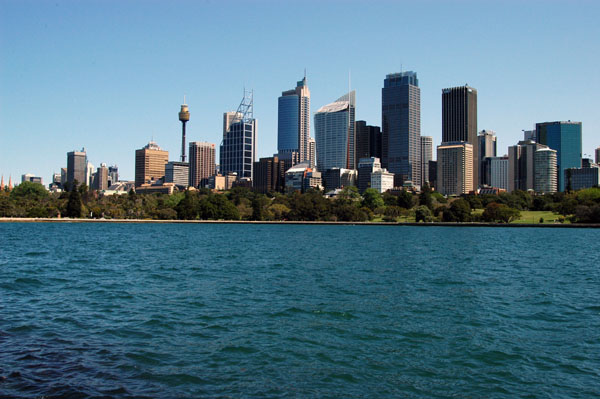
301,177
178,173
521,165
401,127
529,135
337,178
202,162
459,121
184,117
334,134
293,121
486,140
113,174
101,180
368,140
90,171
150,164
565,138
545,171
382,180
238,148
312,152
63,177
498,172
585,177
269,175
76,167
426,156
433,174
31,178
455,171
598,155
366,167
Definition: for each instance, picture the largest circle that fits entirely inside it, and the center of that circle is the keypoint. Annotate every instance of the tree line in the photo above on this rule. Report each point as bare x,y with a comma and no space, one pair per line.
32,200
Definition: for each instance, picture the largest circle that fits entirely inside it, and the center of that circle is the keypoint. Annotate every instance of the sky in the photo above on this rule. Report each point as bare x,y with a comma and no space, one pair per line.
110,75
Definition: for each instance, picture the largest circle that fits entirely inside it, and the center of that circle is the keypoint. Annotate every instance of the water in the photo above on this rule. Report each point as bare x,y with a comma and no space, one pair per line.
292,311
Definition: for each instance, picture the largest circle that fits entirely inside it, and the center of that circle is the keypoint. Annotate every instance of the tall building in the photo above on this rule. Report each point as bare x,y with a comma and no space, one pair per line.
269,175
90,171
301,177
585,177
76,167
545,171
238,148
498,172
382,180
521,165
529,135
312,152
184,117
338,178
486,140
459,121
178,173
401,127
565,138
368,140
202,162
426,156
150,164
113,174
598,155
455,171
293,121
101,180
366,167
334,134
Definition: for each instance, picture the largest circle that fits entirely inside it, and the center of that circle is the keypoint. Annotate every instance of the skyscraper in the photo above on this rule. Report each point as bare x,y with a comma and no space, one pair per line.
459,121
76,167
368,141
401,127
565,138
455,172
521,165
178,173
486,140
238,148
334,134
269,175
426,156
545,170
150,164
101,181
293,121
202,162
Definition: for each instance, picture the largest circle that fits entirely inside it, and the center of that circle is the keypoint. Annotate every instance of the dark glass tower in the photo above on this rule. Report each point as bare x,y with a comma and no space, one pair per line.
565,138
459,120
401,127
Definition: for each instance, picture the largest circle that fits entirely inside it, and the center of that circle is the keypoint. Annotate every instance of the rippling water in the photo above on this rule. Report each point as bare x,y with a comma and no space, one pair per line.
259,311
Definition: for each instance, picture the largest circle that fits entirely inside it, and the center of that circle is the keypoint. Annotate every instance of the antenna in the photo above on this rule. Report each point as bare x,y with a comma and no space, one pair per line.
184,100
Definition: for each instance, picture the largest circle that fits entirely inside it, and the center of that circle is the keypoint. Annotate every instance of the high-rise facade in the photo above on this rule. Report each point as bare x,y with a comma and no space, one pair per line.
150,164
498,172
545,171
334,134
269,175
426,156
178,173
202,162
401,127
293,121
113,174
366,167
521,165
76,167
486,140
238,148
565,138
598,155
455,171
101,180
368,141
459,121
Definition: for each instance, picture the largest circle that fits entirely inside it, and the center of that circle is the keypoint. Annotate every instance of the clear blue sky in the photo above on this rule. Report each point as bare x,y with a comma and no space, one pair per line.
110,75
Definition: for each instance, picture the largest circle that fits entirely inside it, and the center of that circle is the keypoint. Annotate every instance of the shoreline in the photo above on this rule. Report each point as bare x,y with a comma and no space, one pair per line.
289,222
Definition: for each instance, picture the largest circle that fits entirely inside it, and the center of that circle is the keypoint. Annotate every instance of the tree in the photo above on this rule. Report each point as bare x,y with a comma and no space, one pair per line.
495,212
188,207
423,213
29,190
372,199
405,199
74,205
425,197
459,211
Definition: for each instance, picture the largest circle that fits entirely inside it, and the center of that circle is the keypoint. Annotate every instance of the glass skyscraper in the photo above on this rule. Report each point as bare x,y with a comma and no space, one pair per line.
401,127
565,138
334,134
293,121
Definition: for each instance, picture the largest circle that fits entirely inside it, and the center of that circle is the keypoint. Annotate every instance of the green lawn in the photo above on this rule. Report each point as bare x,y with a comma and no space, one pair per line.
534,217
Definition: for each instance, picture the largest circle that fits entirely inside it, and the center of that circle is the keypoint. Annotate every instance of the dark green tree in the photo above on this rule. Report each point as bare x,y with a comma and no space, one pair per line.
459,211
372,199
74,204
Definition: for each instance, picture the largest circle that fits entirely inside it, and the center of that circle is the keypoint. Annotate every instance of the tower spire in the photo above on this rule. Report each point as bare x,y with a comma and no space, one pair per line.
184,117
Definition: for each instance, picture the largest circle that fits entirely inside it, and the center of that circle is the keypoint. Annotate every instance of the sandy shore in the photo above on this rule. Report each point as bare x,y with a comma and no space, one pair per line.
444,224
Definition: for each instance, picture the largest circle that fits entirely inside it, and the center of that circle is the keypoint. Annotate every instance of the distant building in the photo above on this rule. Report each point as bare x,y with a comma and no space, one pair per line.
101,179
178,173
498,172
368,140
585,177
90,172
165,188
312,152
302,177
238,148
426,156
529,135
598,155
293,123
269,175
545,171
382,180
366,167
433,174
113,175
521,165
565,138
63,177
486,140
459,123
31,178
202,162
334,134
76,167
338,178
455,168
150,164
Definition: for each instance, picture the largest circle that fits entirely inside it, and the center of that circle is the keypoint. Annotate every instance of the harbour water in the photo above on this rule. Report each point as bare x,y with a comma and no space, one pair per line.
272,311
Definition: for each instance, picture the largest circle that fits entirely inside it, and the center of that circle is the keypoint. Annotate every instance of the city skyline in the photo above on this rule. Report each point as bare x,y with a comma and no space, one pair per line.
87,75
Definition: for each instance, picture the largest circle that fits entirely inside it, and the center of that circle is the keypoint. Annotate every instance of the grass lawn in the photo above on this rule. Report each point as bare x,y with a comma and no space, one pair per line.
534,217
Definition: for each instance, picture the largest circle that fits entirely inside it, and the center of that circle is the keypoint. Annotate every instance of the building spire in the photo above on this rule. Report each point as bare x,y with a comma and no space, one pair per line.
2,183
10,185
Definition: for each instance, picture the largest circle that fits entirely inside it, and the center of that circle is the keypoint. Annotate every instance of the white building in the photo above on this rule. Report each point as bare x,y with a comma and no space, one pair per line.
545,171
382,180
426,156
